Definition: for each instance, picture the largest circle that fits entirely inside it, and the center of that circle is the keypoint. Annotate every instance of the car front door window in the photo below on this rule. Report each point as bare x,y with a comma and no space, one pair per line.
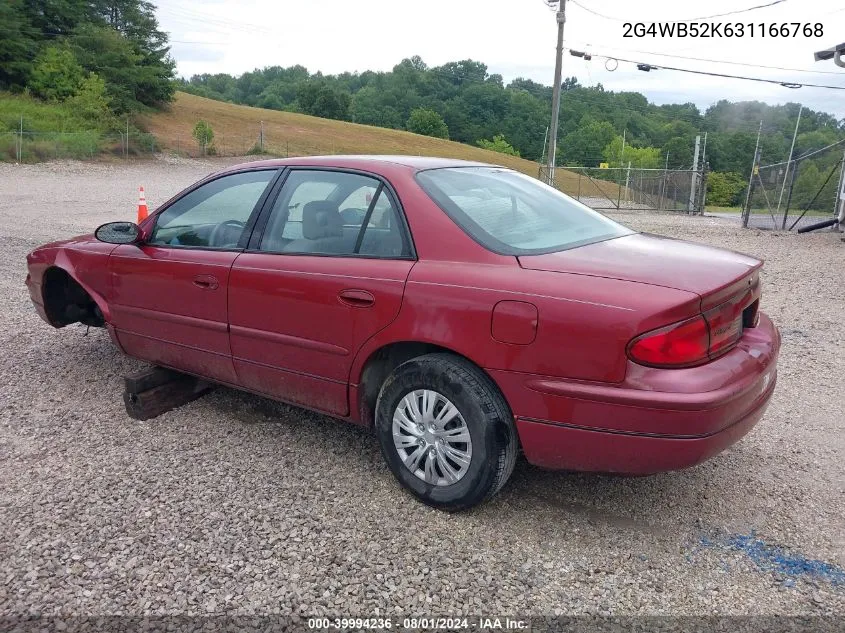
213,215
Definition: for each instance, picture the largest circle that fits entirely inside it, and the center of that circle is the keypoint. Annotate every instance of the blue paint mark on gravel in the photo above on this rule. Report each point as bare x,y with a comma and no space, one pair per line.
777,559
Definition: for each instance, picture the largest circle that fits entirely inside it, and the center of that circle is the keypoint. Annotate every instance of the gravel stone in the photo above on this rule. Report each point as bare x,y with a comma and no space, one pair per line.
235,504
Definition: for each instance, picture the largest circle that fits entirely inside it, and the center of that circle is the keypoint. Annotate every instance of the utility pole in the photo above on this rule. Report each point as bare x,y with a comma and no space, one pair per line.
746,209
840,199
619,177
694,184
788,164
545,140
561,20
703,177
663,184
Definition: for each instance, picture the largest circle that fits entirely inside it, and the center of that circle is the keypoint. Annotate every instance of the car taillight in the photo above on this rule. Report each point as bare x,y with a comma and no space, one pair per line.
678,345
695,340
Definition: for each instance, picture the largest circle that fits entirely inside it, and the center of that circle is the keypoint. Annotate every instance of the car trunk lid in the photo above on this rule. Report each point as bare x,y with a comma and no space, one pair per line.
727,283
714,274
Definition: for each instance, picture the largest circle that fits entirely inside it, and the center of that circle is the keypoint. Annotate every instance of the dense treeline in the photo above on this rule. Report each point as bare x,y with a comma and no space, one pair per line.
100,58
463,102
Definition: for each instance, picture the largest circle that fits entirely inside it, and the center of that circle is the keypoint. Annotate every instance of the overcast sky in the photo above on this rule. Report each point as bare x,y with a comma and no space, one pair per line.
514,38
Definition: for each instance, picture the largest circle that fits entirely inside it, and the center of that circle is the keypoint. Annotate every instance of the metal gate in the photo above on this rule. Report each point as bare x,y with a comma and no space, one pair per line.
796,193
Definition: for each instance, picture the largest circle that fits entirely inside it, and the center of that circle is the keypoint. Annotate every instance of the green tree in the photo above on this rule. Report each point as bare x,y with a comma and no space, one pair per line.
135,20
91,103
371,106
475,105
808,182
204,135
524,123
498,144
318,98
642,157
584,146
56,75
680,150
17,45
725,189
428,123
105,51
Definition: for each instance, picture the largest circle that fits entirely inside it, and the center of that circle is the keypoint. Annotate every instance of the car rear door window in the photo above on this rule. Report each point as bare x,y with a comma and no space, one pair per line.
213,215
334,213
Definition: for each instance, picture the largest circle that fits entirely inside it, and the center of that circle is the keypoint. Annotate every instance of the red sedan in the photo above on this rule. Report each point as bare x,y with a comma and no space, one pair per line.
463,310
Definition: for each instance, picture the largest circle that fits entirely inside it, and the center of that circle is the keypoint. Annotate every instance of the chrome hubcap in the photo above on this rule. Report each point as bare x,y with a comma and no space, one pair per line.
431,437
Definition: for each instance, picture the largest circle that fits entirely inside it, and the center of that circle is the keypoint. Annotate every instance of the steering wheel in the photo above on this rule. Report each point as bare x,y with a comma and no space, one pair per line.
218,230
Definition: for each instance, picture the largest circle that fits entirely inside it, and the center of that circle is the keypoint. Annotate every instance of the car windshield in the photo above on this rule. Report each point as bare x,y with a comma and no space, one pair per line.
512,214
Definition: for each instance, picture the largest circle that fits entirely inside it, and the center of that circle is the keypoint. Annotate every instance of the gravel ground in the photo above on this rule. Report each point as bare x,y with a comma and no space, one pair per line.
236,504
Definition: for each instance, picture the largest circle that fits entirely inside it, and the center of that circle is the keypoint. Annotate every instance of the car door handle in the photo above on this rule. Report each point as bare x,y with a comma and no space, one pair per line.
356,298
206,282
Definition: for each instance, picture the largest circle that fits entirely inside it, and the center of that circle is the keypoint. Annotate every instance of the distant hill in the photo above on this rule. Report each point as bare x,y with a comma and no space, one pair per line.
237,128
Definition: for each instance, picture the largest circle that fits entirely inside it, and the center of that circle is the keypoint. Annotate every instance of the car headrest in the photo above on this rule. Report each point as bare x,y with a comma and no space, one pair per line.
321,218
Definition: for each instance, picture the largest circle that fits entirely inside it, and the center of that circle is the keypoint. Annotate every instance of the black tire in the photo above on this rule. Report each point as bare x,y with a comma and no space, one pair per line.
485,412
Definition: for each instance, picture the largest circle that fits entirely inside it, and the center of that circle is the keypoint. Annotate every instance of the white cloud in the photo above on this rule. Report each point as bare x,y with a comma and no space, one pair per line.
513,38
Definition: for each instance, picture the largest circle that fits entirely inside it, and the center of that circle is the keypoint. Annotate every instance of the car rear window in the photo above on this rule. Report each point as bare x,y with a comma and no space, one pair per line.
512,214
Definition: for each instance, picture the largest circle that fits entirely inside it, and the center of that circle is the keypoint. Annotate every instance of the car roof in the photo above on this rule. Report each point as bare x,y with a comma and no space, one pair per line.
364,162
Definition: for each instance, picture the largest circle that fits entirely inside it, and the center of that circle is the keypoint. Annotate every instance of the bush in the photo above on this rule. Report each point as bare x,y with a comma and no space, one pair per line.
725,189
318,98
204,135
499,144
57,75
257,150
427,123
92,104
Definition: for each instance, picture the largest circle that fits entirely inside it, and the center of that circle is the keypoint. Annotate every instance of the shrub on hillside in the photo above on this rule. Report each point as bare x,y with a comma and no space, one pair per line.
428,123
57,75
498,144
204,135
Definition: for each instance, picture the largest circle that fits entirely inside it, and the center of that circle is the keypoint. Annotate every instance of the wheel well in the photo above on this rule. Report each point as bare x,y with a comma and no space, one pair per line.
66,302
381,364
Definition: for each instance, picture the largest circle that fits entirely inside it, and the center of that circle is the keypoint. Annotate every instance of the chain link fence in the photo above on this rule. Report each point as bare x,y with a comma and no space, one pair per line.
632,188
30,147
615,188
795,194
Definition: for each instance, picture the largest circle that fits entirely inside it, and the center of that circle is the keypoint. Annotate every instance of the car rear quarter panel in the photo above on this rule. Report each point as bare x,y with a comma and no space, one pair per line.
583,323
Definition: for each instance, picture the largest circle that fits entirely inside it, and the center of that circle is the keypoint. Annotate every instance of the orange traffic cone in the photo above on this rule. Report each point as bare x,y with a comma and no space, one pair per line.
142,206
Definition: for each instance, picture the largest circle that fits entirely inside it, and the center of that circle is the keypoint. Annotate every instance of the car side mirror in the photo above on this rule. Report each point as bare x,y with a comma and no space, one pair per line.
118,233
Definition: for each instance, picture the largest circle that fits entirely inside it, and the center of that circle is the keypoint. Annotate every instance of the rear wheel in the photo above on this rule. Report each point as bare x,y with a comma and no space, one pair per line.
445,431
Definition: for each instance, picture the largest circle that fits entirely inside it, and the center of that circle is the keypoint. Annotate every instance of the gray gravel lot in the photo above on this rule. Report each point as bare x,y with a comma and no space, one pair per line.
237,504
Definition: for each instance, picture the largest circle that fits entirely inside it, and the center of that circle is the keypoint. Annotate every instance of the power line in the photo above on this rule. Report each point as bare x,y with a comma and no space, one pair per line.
218,24
785,84
803,156
721,15
705,17
725,61
169,41
601,15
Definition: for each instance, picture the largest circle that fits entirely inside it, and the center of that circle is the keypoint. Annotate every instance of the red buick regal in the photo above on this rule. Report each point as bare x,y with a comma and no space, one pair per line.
464,311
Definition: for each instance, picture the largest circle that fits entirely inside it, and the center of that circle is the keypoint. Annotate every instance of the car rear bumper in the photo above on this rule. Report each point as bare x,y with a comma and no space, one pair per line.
655,420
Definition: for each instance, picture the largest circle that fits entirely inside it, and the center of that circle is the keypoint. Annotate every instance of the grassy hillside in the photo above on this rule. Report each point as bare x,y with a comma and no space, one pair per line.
237,128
